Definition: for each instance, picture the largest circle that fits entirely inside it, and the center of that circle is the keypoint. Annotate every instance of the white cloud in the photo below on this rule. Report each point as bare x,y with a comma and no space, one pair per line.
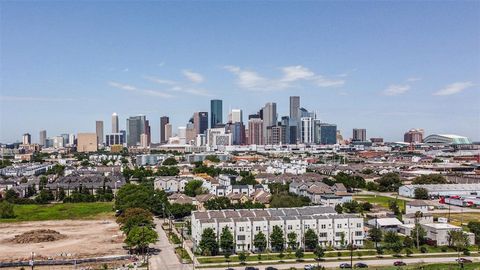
193,76
160,81
413,79
32,98
453,88
175,86
134,89
396,89
251,80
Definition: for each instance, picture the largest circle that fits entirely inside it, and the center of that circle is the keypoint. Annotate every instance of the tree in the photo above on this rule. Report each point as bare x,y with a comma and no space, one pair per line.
299,254
421,193
212,158
242,257
194,188
396,247
458,239
226,241
339,208
351,206
260,242
430,179
133,196
135,217
319,252
372,186
389,182
474,227
140,237
407,242
170,162
375,235
6,210
218,203
292,240
181,210
288,200
208,244
277,241
393,205
311,239
391,237
61,194
44,197
11,196
420,232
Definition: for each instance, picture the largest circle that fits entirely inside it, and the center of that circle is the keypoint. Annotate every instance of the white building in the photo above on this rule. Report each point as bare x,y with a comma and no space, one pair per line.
435,190
437,232
330,227
171,183
413,207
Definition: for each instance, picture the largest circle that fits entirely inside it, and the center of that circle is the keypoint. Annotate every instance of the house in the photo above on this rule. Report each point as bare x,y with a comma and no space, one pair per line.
425,218
261,196
180,199
201,199
171,183
245,189
412,207
334,200
385,224
237,198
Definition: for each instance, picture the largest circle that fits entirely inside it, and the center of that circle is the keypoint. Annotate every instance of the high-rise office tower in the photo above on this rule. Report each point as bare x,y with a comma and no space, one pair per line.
200,122
216,112
255,131
27,138
413,136
87,142
325,133
236,116
168,132
71,139
135,128
99,131
163,121
294,122
115,123
359,135
148,132
238,133
307,129
294,107
43,138
66,139
269,116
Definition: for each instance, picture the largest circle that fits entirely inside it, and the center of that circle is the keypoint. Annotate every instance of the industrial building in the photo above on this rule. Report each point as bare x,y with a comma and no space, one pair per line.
438,190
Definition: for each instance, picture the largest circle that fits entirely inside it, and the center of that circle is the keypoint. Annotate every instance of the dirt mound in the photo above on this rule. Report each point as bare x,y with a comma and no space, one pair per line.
37,236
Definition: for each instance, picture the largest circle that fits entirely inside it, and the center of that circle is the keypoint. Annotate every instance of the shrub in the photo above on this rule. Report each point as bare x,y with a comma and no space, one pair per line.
444,249
423,250
6,210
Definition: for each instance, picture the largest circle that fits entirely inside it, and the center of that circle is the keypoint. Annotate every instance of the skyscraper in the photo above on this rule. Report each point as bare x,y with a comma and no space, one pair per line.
413,136
168,132
294,121
307,130
255,131
216,112
359,135
294,107
163,121
27,138
114,123
43,138
325,133
99,131
148,133
135,128
87,142
200,121
236,116
269,113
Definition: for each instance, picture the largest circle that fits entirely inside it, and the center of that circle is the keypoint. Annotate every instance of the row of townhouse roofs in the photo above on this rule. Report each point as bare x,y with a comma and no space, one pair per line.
329,226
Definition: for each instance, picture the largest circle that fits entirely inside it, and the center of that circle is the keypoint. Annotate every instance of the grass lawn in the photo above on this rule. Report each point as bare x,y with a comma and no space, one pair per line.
379,200
38,212
182,253
457,218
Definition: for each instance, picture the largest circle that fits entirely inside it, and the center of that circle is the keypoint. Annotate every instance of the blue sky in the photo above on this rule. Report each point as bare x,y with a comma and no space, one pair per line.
385,66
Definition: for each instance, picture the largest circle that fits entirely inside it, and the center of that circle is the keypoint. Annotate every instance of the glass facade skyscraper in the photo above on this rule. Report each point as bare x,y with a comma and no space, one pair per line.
216,112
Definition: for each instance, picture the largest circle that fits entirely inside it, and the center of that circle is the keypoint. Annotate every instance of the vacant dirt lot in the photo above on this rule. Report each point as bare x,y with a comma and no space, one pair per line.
83,238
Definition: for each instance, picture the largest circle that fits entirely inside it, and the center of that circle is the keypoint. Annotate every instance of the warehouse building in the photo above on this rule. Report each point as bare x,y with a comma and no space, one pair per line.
440,190
329,226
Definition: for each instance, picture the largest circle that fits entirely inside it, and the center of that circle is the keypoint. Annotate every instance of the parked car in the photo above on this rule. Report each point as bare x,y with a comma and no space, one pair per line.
463,260
309,267
399,263
271,268
361,265
230,269
345,265
251,268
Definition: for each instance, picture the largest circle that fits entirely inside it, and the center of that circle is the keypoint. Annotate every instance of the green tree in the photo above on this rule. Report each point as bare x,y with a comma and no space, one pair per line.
396,247
430,179
311,239
6,210
208,243
288,200
421,194
393,205
170,162
135,217
218,203
474,227
181,210
375,235
260,242
227,243
407,242
242,257
140,237
339,208
194,188
389,182
61,194
391,237
45,196
292,240
458,239
212,158
421,235
277,240
299,254
319,252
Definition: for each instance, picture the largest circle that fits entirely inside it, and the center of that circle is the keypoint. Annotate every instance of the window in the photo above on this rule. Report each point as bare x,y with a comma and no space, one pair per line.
307,226
324,226
339,226
358,233
322,234
257,228
289,227
241,229
240,237
359,225
337,234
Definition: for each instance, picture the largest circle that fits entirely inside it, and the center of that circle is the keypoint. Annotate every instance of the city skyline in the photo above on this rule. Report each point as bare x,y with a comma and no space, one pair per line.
387,82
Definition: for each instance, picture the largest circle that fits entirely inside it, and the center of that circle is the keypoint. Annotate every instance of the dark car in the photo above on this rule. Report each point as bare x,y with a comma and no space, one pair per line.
463,260
345,265
271,268
251,268
230,269
361,265
399,263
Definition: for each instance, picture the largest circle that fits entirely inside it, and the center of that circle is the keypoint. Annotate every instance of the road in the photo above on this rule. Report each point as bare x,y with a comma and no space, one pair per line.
166,258
386,262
